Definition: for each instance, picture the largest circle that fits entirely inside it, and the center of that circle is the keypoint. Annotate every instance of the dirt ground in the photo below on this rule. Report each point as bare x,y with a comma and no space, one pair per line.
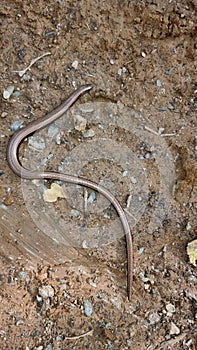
139,56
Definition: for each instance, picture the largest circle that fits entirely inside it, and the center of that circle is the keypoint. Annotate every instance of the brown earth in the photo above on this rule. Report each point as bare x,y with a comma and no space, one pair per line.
139,56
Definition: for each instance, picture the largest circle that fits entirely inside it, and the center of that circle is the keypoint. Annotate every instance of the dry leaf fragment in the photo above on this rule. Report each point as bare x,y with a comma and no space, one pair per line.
192,252
53,193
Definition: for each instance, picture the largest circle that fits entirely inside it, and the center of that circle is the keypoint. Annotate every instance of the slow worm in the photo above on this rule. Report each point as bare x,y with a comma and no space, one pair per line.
18,169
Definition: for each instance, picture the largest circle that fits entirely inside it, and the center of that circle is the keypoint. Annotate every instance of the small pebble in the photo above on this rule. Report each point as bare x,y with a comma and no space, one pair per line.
22,275
160,130
143,278
4,114
75,212
19,322
52,130
161,109
170,106
159,83
75,64
89,133
174,329
133,180
170,309
168,72
125,172
80,123
8,92
154,318
58,139
87,308
16,94
91,197
188,227
37,142
46,292
120,71
140,250
16,125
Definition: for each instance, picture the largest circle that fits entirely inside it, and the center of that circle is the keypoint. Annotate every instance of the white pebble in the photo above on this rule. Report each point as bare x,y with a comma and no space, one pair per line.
174,329
188,227
8,92
75,64
87,308
46,292
89,133
112,61
170,309
133,180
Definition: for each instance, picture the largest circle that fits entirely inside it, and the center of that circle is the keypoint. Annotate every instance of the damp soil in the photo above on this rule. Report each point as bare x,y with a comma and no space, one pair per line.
141,57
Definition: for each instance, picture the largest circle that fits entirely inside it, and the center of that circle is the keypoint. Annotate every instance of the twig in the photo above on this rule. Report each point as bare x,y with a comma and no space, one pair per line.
157,133
22,72
171,342
85,201
133,217
151,130
165,135
80,336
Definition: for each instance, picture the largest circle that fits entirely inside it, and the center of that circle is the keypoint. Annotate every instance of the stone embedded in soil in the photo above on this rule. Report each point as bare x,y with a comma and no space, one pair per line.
174,329
87,308
170,309
46,292
154,318
8,92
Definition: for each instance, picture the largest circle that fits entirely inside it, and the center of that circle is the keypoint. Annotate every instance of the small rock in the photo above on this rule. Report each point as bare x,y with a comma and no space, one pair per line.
140,250
91,197
125,172
168,72
75,212
133,180
4,114
89,133
19,322
160,130
75,64
16,125
143,278
154,318
52,130
188,227
170,106
8,92
46,292
37,142
16,94
120,71
174,329
22,275
87,308
159,83
170,309
80,123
